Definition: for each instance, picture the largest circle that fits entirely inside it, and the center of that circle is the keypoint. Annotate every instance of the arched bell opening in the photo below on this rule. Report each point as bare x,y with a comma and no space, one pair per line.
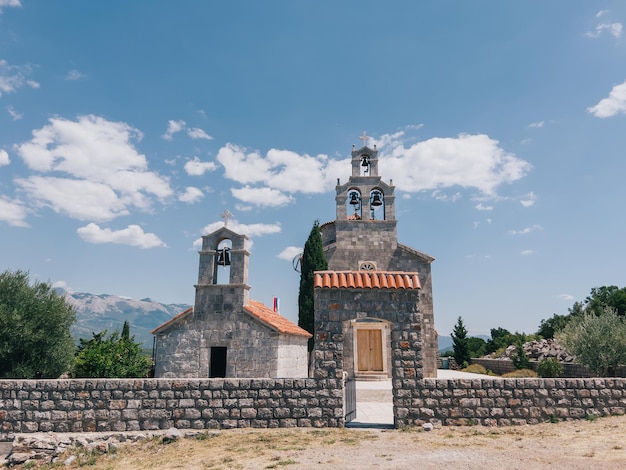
355,206
377,205
222,262
365,165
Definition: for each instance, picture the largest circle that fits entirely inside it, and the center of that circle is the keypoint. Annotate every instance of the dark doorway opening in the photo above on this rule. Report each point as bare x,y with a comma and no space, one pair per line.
217,363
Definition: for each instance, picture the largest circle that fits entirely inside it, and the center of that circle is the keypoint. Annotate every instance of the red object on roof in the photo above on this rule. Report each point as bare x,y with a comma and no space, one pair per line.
274,320
366,280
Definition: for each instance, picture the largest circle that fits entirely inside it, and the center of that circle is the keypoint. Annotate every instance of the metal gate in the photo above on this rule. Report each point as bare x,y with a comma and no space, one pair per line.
349,398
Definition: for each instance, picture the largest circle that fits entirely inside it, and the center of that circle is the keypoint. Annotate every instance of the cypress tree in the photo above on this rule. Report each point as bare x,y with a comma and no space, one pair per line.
313,259
460,344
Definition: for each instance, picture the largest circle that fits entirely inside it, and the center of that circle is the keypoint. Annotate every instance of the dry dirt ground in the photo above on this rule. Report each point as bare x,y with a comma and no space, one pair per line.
597,444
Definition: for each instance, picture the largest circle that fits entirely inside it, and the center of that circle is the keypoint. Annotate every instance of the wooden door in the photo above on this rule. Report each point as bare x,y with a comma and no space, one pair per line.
370,350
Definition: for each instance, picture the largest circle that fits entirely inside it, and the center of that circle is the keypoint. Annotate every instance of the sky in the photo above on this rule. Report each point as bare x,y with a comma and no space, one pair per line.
128,128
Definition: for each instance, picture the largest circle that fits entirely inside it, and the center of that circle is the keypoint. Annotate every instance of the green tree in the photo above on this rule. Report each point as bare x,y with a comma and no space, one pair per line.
477,346
112,356
313,259
500,338
606,296
597,341
547,328
520,359
460,343
35,322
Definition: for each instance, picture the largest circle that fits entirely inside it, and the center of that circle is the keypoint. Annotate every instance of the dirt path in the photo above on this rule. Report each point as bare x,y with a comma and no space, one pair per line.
598,444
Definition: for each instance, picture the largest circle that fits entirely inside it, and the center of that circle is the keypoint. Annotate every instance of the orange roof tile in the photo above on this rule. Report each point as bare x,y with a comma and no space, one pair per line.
367,280
171,321
274,320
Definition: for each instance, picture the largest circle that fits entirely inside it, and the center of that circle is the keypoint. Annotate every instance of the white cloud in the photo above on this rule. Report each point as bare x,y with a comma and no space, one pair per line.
480,207
537,124
265,197
251,230
133,235
172,128
4,158
614,29
526,230
191,195
196,167
14,114
528,200
9,3
75,75
614,104
441,196
527,252
13,77
12,212
61,285
290,253
601,12
470,161
196,133
567,297
101,173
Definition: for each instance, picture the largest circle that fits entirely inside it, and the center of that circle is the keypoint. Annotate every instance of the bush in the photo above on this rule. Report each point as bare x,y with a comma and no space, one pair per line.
520,359
475,369
549,367
597,341
520,373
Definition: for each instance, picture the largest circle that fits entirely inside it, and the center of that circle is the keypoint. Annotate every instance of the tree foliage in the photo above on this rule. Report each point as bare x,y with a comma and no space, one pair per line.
35,322
501,338
554,324
313,259
111,356
477,346
597,341
460,344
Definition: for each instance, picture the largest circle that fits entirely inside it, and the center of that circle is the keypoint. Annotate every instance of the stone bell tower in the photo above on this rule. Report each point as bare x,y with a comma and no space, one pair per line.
364,237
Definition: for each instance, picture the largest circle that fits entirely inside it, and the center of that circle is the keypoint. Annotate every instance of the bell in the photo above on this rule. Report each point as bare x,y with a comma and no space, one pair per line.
354,199
223,257
376,201
365,160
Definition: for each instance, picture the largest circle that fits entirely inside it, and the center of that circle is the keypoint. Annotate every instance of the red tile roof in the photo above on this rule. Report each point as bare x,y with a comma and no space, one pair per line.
274,320
171,321
259,311
366,280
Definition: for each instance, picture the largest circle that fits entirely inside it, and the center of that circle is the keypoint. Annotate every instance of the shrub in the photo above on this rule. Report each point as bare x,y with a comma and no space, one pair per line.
475,369
520,359
549,367
520,373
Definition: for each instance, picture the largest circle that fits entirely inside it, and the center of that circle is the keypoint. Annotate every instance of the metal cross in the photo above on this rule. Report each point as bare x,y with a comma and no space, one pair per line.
226,215
364,138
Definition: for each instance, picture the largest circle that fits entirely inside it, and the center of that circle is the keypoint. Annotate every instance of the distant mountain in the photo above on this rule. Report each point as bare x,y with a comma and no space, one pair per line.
95,313
445,342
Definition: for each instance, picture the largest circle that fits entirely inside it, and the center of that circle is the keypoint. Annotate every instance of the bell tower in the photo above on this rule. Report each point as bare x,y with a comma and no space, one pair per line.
365,231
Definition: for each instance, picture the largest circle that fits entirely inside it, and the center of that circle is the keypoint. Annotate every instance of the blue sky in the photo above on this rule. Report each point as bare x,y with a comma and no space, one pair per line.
127,128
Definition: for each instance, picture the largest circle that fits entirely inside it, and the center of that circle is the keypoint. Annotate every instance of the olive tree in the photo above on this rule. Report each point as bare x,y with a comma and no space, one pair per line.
597,340
35,321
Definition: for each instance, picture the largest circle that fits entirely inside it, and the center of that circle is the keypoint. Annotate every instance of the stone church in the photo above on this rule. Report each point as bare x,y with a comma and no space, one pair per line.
373,307
370,272
226,334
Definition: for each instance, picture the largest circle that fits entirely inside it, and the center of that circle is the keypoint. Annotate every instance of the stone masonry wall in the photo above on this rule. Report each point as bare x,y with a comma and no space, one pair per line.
505,402
87,405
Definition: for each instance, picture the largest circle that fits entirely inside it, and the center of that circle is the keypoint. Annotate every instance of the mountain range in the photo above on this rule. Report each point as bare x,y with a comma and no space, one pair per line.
98,312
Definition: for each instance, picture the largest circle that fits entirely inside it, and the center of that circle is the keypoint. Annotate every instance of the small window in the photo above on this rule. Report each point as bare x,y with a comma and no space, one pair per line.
367,265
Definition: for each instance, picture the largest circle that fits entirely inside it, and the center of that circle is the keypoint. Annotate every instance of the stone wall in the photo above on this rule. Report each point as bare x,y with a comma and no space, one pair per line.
505,402
570,370
87,405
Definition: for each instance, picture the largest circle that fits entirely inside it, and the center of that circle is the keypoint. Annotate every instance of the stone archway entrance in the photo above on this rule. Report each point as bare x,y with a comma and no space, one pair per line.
390,298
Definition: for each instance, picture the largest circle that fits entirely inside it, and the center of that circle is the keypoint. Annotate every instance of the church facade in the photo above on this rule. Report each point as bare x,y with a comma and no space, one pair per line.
226,334
364,239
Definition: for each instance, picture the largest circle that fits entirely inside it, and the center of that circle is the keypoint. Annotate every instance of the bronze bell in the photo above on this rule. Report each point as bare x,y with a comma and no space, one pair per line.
376,200
223,257
354,198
